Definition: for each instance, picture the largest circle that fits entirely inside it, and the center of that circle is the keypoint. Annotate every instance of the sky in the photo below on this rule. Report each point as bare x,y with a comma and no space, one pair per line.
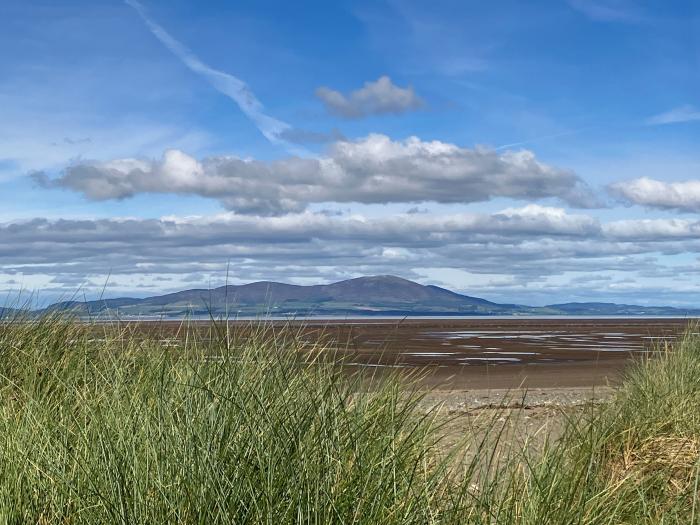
531,152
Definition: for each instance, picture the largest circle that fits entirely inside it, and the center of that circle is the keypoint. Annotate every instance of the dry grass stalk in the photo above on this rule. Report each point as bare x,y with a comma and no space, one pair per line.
674,457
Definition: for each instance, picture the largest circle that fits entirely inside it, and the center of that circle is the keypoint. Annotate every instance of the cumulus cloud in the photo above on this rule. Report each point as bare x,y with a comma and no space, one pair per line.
685,113
653,230
373,170
644,191
554,221
374,98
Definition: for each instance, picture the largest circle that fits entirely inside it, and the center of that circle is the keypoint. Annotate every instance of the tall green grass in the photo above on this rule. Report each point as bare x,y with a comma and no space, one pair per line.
114,428
100,424
635,460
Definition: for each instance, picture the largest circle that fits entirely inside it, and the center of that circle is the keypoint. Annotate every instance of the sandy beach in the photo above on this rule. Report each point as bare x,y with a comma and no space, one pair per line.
476,354
465,354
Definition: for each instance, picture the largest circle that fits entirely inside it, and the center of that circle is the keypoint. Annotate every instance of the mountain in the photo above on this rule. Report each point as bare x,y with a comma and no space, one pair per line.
365,295
621,309
9,313
378,295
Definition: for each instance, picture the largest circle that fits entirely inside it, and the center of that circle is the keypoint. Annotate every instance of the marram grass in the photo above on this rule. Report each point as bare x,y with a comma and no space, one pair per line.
119,429
99,424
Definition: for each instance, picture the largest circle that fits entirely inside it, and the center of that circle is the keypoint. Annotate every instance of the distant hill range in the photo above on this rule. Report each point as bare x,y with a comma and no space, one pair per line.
364,296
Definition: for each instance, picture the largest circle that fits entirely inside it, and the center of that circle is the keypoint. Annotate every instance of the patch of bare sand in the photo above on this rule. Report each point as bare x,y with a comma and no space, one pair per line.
509,419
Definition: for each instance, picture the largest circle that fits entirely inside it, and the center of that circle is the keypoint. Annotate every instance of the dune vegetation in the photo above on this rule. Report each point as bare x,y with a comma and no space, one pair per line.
99,424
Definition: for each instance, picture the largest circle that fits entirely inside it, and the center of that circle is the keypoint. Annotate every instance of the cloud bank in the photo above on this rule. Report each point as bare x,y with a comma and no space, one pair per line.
375,98
682,196
518,247
372,170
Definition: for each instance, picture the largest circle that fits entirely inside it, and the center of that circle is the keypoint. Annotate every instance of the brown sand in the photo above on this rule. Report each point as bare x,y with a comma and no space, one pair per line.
517,417
483,353
463,354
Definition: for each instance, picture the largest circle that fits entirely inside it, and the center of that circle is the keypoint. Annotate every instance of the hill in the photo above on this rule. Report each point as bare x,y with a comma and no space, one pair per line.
377,295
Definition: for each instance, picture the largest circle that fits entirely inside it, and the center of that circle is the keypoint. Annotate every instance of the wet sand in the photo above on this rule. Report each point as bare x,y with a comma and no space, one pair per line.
484,353
463,354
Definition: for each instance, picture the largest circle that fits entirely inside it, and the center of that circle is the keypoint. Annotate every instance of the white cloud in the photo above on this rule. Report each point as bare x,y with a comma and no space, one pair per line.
608,10
513,236
661,230
225,83
374,98
515,240
372,170
644,191
521,246
677,115
557,221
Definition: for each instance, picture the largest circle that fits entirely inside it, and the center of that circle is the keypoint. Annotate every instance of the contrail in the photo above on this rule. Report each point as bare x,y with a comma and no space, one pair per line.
229,85
545,137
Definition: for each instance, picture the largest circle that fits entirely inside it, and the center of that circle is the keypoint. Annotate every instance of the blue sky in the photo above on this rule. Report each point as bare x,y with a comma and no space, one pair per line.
519,151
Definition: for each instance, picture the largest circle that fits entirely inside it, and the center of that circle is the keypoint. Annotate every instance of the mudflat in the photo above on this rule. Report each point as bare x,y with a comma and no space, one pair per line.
489,353
482,353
